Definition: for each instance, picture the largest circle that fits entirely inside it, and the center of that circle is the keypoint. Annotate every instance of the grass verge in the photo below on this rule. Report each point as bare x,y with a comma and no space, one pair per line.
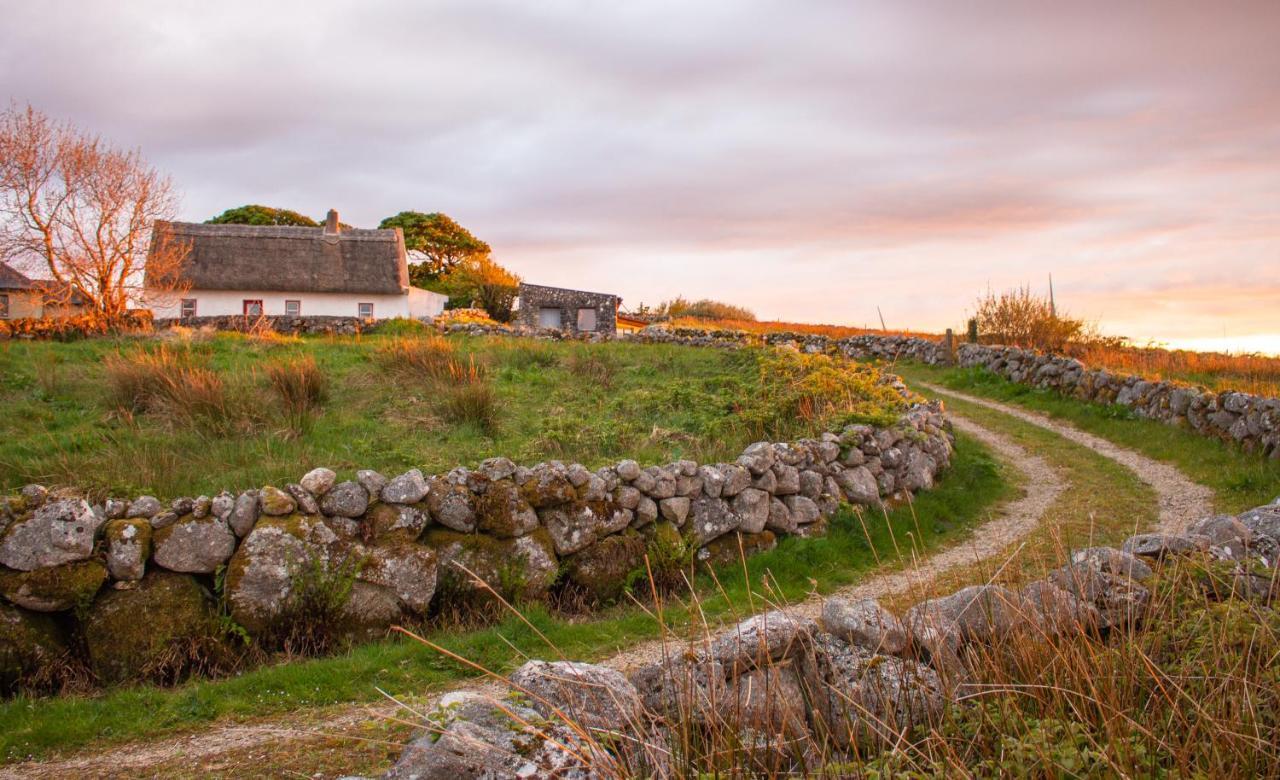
37,728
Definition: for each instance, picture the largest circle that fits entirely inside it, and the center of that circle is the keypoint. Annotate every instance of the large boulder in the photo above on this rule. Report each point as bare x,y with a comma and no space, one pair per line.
979,613
55,588
57,532
129,632
194,546
709,518
1121,601
28,642
262,574
768,700
1058,612
594,697
520,569
603,569
406,570
546,486
762,639
679,688
128,546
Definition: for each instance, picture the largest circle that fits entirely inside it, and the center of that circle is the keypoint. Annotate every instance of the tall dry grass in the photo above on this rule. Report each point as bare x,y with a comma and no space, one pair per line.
465,391
773,326
302,388
1250,373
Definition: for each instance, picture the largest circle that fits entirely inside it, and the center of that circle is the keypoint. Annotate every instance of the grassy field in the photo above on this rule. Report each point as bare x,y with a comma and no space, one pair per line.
231,411
37,727
776,326
1259,374
1239,480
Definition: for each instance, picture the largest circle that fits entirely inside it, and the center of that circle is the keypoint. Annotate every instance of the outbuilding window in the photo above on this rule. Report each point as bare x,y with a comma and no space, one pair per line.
586,320
364,311
292,308
188,308
549,317
4,307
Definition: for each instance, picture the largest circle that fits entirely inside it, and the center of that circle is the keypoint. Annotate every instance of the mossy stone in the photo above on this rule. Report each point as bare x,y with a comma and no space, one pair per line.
503,512
603,569
726,549
54,588
27,641
521,569
127,630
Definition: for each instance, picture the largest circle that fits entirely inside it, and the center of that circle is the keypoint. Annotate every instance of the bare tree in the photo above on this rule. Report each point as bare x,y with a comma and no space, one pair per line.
82,212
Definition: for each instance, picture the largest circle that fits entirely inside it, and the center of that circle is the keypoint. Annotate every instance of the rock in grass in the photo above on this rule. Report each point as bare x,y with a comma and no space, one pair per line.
979,613
1163,545
128,546
55,588
129,631
58,532
594,697
865,624
194,545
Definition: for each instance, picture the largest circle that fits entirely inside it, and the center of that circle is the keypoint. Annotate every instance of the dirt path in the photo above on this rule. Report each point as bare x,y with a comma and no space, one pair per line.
1181,500
234,749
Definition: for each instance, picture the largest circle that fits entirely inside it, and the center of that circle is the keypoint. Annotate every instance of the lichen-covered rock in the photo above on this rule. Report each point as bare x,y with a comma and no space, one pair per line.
768,700
57,532
145,506
262,573
679,688
128,546
452,506
572,528
730,547
675,509
752,508
547,487
395,522
735,480
864,624
602,569
1056,611
194,546
1112,561
345,499
1228,537
306,503
472,736
408,488
275,502
503,512
372,481
1121,601
29,641
521,569
129,630
244,514
407,570
802,510
780,519
318,481
1163,545
858,486
594,697
979,613
708,519
646,511
758,640
55,588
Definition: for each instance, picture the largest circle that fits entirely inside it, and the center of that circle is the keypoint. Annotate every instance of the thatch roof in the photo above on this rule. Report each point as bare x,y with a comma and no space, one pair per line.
13,279
289,259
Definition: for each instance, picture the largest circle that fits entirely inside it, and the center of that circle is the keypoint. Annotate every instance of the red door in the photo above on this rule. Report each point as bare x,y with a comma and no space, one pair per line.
253,308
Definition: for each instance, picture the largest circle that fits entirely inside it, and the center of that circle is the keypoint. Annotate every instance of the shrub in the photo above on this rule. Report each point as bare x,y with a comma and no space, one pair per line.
704,309
401,326
430,358
1019,318
302,388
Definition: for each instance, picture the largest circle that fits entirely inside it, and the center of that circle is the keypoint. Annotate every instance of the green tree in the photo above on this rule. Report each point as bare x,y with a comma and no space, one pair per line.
443,241
479,279
255,214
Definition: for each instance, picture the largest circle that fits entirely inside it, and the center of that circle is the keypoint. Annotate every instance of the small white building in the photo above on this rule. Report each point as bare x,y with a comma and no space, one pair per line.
277,270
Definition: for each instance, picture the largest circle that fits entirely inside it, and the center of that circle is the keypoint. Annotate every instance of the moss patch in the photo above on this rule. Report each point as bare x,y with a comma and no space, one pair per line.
56,588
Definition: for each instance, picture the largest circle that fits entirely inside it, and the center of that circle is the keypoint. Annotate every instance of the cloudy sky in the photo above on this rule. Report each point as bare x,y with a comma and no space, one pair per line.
810,159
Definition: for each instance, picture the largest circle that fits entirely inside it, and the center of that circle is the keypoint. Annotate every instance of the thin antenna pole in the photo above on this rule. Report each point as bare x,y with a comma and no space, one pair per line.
1053,308
882,327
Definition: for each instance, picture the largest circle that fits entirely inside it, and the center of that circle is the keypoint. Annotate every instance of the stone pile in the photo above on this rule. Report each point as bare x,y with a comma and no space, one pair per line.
785,685
413,543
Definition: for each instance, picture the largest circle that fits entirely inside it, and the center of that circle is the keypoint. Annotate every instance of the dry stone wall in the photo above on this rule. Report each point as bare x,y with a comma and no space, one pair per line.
130,575
794,691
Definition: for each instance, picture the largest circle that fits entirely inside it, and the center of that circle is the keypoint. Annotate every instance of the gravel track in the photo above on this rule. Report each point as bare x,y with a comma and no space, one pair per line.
1181,502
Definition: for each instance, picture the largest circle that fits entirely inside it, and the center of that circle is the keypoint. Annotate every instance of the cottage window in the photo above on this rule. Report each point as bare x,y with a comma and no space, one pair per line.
586,320
188,308
4,307
365,310
549,317
292,308
253,308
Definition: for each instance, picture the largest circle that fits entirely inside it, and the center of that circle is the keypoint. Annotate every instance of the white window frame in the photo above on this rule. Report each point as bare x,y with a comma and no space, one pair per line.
297,303
360,310
595,319
182,308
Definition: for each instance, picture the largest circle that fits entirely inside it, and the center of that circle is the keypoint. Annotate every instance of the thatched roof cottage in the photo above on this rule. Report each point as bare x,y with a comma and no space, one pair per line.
292,271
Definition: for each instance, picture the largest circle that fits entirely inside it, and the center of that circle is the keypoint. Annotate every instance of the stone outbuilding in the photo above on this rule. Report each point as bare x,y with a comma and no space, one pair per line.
572,311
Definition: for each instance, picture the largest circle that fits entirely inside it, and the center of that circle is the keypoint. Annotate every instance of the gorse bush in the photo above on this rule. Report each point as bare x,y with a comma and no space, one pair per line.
821,392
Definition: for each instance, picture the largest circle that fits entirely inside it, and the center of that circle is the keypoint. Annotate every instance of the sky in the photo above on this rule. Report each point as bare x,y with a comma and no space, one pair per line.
809,159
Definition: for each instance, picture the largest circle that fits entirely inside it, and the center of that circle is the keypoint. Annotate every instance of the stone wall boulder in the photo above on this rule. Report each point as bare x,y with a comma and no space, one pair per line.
603,570
864,624
521,569
729,548
58,532
762,639
194,545
407,571
451,505
503,512
127,544
979,613
389,523
262,573
594,697
128,631
29,641
54,588
709,518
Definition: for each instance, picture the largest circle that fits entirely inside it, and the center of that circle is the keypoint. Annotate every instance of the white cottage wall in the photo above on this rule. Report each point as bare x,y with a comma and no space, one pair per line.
214,303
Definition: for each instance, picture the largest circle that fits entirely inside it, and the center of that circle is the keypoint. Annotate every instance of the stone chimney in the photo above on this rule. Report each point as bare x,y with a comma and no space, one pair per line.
331,227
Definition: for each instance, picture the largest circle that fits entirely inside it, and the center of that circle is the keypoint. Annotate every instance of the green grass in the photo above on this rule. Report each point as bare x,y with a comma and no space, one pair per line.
39,727
588,403
1239,480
